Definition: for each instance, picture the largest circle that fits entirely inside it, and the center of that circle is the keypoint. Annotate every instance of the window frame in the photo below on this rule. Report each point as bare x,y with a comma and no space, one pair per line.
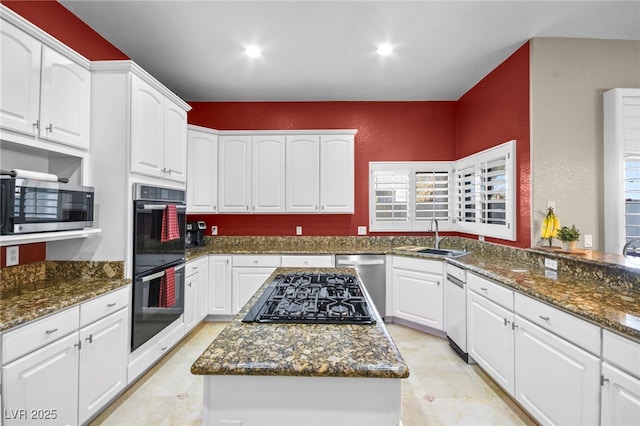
411,168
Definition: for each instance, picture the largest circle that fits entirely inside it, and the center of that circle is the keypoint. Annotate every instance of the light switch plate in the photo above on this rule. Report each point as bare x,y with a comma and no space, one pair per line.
298,230
551,263
362,230
588,241
13,255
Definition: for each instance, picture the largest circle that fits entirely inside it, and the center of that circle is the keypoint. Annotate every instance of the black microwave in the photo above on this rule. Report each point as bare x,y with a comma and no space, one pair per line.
28,206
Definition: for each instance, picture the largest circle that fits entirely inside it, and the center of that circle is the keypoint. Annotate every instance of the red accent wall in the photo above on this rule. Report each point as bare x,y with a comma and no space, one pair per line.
387,131
28,253
53,18
494,111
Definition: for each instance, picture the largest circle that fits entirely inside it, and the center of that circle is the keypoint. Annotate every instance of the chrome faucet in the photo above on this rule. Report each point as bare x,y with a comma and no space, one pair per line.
632,247
437,236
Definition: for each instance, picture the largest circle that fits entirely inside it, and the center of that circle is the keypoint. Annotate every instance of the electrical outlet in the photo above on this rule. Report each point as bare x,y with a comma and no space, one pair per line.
362,230
551,205
480,237
298,230
551,263
13,255
214,230
588,241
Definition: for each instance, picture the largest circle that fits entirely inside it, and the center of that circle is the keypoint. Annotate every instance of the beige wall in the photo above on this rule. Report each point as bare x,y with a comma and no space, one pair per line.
568,78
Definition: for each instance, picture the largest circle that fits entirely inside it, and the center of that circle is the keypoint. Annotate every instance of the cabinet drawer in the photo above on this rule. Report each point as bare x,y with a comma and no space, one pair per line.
621,352
307,261
567,326
39,333
492,291
191,268
104,305
456,272
258,261
418,265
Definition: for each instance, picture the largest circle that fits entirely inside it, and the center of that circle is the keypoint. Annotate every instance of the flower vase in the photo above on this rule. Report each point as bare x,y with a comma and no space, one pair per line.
569,245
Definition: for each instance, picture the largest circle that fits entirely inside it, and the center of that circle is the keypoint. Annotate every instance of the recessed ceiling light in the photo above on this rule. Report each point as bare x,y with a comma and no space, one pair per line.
384,49
252,51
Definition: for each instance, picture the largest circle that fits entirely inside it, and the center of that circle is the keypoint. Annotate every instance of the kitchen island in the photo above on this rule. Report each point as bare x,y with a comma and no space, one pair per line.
301,374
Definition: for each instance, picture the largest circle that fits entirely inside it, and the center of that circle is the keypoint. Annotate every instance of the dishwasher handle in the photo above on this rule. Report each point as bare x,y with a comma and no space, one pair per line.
344,262
456,281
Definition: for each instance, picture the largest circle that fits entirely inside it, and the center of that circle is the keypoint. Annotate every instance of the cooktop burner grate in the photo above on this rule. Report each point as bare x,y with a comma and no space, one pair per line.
312,298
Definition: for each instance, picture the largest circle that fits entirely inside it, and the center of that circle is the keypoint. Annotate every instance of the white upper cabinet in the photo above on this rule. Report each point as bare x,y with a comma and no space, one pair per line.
268,174
303,174
44,93
202,172
64,100
20,80
337,170
158,133
234,174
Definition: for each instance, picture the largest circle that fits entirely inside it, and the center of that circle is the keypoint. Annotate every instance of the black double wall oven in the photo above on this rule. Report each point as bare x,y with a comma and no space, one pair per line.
158,262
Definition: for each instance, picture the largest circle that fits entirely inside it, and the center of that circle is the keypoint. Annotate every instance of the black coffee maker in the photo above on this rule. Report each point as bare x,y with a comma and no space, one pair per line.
195,234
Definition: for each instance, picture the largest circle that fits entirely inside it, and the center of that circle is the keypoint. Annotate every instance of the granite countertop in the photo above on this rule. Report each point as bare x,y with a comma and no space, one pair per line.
24,302
614,308
580,288
324,350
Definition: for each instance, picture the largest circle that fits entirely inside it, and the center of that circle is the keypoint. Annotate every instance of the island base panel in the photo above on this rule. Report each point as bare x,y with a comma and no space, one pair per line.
297,401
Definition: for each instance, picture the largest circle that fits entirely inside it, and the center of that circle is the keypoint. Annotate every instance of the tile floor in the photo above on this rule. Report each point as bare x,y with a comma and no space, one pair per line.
442,389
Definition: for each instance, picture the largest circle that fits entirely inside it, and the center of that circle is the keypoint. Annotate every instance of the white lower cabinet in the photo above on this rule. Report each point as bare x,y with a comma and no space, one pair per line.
220,285
42,387
620,380
103,362
64,368
249,273
490,338
556,381
196,292
418,291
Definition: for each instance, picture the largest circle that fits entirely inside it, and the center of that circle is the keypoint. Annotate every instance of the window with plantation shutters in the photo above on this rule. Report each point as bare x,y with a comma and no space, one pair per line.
485,193
632,197
391,194
405,196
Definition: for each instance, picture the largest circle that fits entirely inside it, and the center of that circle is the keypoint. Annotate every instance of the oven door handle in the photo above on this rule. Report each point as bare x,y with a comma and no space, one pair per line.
159,274
162,207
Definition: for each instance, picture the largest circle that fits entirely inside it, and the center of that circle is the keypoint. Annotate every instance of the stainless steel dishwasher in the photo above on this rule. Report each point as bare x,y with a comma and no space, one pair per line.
372,271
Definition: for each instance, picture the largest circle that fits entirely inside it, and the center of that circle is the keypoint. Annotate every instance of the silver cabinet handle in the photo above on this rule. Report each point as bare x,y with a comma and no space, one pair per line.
544,318
111,305
90,338
164,348
513,326
49,128
78,345
438,283
506,322
169,171
483,288
36,125
51,331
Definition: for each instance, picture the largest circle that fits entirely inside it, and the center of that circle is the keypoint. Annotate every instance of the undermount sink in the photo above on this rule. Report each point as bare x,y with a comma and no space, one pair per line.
443,252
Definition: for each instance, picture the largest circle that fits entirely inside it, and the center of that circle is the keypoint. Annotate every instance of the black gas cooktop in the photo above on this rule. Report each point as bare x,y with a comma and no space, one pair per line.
315,298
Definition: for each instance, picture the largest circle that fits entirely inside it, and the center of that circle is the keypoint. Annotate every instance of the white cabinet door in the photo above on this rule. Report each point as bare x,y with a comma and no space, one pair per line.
620,397
557,382
268,174
303,174
337,174
191,302
147,129
418,297
490,339
220,285
65,100
202,172
20,80
234,174
246,281
44,382
202,307
175,142
103,362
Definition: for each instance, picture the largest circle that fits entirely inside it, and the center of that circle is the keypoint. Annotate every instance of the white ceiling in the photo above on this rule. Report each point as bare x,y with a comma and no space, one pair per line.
325,50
